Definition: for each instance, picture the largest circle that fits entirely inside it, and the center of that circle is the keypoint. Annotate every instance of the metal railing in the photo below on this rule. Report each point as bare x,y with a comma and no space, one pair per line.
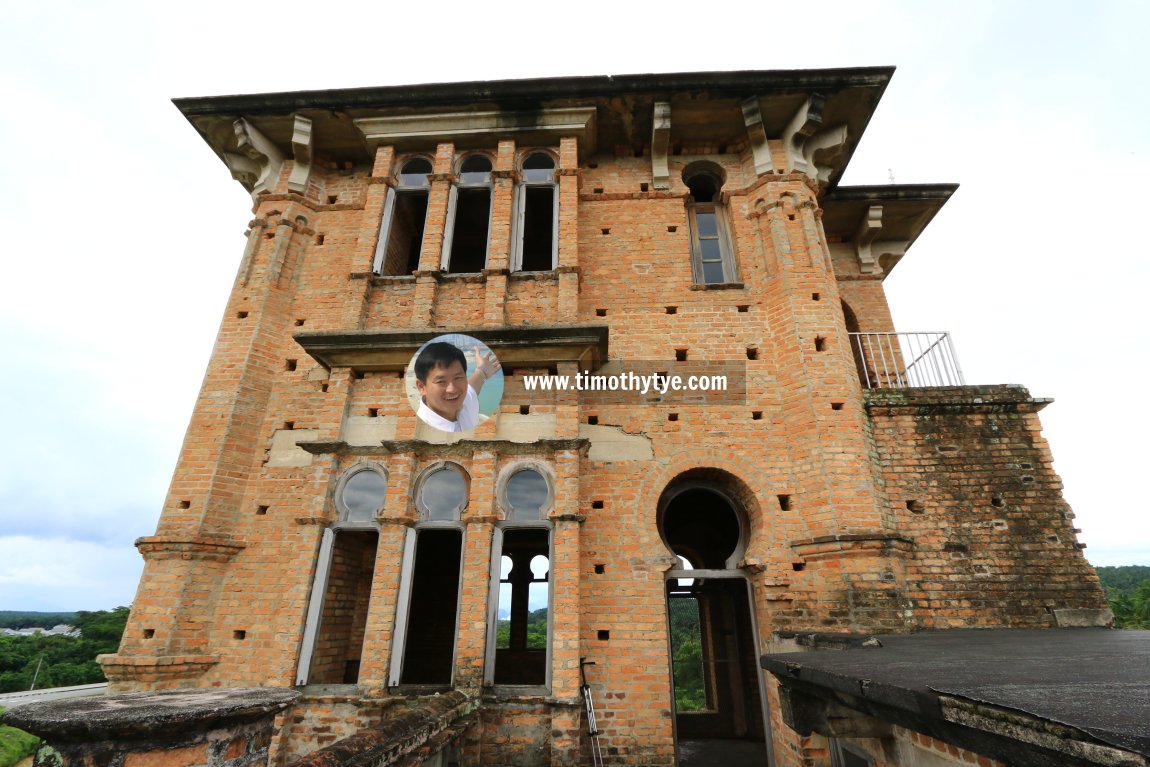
905,360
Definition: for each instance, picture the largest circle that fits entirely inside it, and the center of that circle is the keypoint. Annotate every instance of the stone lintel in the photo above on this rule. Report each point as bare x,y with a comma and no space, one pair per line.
545,126
456,448
520,347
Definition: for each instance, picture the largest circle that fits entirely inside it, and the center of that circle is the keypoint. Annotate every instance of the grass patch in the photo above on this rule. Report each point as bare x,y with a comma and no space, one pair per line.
15,745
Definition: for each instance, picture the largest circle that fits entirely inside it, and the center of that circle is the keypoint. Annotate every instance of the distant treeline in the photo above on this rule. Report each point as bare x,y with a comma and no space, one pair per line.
1122,580
61,661
22,619
1128,589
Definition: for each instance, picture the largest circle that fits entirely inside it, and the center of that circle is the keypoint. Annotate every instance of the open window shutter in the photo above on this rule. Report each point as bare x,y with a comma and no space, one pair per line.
448,229
517,206
402,607
315,605
384,231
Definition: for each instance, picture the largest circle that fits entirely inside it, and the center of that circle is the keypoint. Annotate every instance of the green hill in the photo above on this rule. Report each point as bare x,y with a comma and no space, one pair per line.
23,619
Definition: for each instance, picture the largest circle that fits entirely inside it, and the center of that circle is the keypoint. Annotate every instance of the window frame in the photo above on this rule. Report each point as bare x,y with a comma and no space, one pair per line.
313,614
407,569
519,210
387,219
453,209
723,237
501,527
343,522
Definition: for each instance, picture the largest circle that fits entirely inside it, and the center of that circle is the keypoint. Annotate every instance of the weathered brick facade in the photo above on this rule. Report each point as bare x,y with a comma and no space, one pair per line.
852,510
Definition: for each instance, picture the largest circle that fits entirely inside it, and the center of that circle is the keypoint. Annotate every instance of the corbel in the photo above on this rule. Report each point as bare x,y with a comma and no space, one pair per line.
757,135
874,255
301,145
868,230
660,143
810,148
823,150
805,123
256,162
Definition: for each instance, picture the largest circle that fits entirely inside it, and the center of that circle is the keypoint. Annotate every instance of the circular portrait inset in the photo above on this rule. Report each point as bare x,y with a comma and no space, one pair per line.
454,382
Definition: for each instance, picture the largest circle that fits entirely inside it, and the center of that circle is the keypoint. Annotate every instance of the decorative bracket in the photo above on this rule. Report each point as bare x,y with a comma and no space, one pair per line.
660,143
810,148
301,144
757,135
256,163
876,256
868,230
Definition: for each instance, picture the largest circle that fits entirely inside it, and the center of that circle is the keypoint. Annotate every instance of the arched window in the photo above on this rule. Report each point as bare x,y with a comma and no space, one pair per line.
341,588
536,241
360,494
426,617
526,495
469,217
520,621
712,259
442,493
404,216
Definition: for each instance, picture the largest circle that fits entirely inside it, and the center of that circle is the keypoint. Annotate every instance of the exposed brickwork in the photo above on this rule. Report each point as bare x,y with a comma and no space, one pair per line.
976,491
817,474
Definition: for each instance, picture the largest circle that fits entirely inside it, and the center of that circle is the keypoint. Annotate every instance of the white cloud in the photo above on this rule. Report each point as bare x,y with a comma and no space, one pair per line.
57,574
123,230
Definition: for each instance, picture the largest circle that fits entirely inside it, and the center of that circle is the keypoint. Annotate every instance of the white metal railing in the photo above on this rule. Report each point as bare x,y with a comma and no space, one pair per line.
905,360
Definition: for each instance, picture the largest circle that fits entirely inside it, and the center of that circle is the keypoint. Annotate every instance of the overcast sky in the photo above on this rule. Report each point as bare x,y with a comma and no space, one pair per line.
122,231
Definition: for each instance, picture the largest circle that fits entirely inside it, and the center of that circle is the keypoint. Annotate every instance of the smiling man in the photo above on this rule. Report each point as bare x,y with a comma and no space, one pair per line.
448,398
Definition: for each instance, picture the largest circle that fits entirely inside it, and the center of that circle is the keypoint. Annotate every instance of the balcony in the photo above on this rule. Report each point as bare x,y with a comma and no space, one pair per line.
905,360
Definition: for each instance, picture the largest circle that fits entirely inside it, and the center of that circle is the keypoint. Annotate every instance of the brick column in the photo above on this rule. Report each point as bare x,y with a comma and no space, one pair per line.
568,230
398,515
355,311
433,230
471,632
849,538
500,245
566,574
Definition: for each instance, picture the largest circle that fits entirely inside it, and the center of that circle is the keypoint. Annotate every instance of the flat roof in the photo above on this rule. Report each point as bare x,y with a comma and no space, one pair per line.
741,83
1095,680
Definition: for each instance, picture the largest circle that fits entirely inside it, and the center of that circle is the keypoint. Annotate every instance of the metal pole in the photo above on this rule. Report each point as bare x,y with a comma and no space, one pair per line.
592,726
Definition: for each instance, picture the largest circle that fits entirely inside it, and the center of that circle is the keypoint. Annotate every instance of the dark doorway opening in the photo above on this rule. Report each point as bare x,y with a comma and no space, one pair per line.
429,650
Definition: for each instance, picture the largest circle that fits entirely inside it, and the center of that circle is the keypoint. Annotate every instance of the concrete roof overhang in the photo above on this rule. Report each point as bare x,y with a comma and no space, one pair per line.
704,106
906,210
519,347
1045,698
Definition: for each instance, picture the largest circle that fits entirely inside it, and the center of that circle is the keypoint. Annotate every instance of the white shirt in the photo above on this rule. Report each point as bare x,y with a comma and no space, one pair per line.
468,416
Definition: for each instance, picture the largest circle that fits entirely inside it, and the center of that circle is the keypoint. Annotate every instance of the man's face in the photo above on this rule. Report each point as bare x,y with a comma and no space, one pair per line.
444,390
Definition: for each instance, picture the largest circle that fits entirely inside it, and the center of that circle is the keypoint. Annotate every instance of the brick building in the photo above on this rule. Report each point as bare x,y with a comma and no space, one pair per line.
318,535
